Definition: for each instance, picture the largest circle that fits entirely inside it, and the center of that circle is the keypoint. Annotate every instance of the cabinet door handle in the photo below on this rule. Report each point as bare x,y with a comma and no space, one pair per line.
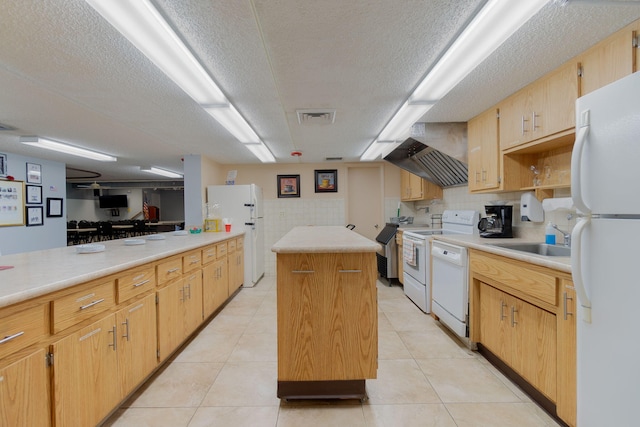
141,283
484,175
126,324
302,271
194,262
349,271
522,125
513,316
188,287
533,121
566,297
11,337
114,344
182,294
173,270
502,306
477,177
91,304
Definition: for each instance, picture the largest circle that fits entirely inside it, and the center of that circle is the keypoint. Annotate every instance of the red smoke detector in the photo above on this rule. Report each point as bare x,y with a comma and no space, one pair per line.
296,153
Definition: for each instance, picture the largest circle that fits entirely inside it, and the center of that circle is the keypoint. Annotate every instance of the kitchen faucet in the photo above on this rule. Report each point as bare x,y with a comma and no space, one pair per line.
566,236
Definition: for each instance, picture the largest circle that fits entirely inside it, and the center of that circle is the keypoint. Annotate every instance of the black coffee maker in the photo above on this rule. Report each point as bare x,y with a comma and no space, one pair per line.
497,223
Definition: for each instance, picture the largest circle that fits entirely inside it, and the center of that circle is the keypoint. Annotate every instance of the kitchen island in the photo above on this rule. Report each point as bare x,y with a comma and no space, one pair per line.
327,313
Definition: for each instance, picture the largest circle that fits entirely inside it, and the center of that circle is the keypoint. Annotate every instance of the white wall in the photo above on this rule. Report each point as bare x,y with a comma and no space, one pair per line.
53,232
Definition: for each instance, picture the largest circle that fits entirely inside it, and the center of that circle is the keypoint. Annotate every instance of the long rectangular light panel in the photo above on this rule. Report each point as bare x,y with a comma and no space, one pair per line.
61,147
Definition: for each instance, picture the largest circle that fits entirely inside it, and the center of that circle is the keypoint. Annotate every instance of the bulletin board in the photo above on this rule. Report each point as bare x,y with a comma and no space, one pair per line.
11,203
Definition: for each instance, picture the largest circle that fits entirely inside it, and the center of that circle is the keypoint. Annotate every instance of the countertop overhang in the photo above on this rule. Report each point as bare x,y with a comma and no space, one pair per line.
38,273
323,239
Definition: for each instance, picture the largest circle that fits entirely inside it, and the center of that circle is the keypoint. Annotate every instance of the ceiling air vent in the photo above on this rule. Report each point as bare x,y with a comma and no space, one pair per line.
333,159
316,116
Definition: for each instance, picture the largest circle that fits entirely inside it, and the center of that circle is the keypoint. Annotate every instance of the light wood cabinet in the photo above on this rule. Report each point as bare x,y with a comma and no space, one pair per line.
415,188
236,266
24,397
567,382
85,374
483,152
540,110
137,342
102,338
608,61
327,316
523,314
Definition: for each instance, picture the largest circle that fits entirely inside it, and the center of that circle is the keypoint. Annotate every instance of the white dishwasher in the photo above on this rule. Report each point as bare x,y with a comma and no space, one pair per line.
450,286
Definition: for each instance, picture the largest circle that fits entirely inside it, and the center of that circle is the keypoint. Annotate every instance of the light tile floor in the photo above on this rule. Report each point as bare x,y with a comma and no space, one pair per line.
226,376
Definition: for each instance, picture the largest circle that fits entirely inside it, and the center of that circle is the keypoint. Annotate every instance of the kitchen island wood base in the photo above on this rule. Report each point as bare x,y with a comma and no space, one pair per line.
347,389
327,313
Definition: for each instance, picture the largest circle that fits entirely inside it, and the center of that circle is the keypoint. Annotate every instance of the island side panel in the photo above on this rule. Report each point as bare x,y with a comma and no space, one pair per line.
327,316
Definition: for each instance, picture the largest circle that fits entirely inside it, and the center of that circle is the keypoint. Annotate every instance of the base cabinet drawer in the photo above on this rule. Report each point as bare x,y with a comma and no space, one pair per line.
90,300
135,283
23,328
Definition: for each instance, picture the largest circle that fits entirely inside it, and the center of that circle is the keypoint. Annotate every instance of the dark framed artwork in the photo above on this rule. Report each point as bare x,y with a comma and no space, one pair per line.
34,173
326,181
34,195
3,165
54,207
288,186
34,215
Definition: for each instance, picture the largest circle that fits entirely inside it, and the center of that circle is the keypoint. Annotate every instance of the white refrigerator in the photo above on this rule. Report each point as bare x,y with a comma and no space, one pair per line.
242,204
605,175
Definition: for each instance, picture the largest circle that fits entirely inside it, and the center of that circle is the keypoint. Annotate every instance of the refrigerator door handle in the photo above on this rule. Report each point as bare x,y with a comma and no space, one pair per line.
576,268
576,169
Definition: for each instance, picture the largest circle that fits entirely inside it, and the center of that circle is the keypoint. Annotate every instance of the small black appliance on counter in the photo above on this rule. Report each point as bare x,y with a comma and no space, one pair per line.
497,223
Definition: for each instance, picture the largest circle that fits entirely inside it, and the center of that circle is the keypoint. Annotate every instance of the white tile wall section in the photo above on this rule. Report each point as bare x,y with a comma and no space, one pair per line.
281,215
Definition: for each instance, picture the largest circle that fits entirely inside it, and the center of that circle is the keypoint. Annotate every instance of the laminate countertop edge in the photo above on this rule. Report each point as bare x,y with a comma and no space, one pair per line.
323,239
37,273
562,264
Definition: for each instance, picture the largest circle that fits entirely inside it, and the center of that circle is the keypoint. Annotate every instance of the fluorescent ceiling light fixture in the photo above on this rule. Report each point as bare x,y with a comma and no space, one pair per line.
376,149
231,119
141,23
61,147
261,152
492,26
162,172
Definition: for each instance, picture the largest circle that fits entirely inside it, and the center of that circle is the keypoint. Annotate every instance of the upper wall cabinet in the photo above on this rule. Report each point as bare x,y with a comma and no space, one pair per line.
541,110
483,152
415,188
609,60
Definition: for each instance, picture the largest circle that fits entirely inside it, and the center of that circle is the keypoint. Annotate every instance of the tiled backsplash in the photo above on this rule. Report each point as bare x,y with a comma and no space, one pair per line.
459,198
281,215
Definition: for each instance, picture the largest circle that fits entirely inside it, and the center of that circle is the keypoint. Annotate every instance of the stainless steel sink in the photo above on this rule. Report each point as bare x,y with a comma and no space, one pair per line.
536,248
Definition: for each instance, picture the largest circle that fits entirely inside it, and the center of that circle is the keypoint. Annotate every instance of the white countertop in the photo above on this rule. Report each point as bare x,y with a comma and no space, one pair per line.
484,244
41,272
323,239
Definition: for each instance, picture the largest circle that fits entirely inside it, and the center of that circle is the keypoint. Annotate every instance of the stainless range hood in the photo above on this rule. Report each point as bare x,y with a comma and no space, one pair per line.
419,156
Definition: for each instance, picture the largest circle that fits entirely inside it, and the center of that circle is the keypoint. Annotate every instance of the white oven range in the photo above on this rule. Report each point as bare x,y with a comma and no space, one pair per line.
416,247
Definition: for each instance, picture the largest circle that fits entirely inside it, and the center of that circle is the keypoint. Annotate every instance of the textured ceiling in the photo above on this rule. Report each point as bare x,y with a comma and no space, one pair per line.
65,73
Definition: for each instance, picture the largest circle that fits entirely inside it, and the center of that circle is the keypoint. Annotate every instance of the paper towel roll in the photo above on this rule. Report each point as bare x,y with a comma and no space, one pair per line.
565,203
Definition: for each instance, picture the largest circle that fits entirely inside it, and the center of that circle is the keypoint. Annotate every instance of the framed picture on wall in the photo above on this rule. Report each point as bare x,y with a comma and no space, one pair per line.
34,194
3,165
34,173
11,203
326,181
34,215
54,207
288,186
